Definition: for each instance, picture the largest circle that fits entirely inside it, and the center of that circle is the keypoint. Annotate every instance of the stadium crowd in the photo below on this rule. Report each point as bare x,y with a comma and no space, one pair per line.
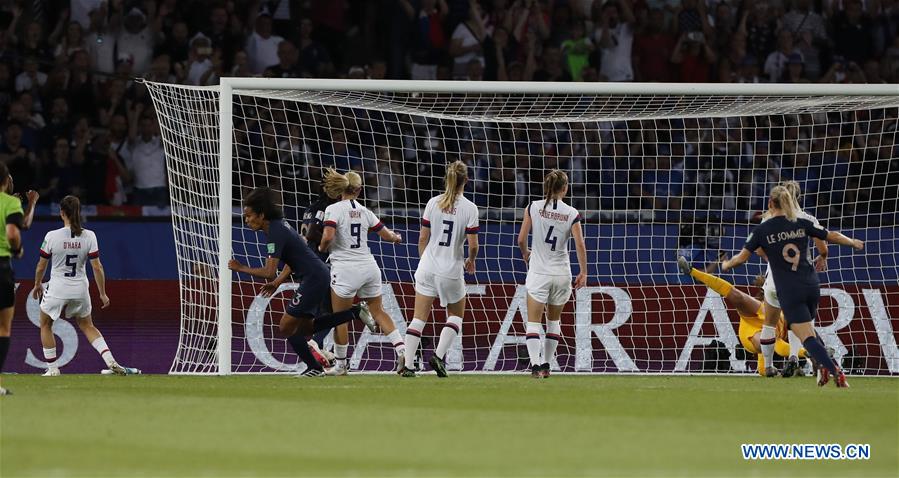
75,121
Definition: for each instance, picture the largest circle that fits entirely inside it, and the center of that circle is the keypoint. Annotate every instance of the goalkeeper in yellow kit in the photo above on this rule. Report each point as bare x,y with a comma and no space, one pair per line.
751,311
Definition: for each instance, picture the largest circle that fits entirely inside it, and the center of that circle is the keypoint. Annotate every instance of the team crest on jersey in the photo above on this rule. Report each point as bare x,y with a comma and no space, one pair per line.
271,247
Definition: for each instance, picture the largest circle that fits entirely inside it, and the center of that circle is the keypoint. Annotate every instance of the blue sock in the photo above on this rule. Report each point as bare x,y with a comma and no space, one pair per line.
819,353
299,345
329,321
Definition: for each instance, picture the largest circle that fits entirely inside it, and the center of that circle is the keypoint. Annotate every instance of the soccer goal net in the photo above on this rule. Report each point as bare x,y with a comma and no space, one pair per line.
656,171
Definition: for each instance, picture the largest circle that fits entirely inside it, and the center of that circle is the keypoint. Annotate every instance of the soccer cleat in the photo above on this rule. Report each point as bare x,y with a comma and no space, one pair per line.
792,369
365,316
536,371
544,370
119,370
336,371
51,372
771,372
438,366
684,265
823,376
319,355
311,372
408,373
5,391
400,362
840,379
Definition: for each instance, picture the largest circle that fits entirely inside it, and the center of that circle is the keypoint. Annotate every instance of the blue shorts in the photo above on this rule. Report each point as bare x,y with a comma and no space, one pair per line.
309,297
799,303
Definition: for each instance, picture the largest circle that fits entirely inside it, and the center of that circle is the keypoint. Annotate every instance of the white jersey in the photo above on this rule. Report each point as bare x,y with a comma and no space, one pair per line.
769,278
551,229
352,223
444,254
68,254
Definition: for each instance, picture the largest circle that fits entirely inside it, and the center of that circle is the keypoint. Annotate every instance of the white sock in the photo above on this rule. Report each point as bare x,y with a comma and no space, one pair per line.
50,357
533,340
795,344
451,330
766,340
553,336
397,340
340,354
413,339
100,346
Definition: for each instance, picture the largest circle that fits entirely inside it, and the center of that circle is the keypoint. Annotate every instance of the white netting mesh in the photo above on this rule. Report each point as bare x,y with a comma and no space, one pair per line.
653,175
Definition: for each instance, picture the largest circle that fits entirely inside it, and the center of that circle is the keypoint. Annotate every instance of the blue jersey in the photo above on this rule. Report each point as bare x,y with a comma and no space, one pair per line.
286,244
786,245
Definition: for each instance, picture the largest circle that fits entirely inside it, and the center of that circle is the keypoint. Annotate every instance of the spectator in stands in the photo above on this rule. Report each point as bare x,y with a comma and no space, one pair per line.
614,37
803,18
34,43
58,123
29,135
288,62
552,68
79,11
262,45
177,44
31,78
222,36
853,32
62,175
694,57
147,162
315,61
72,41
795,71
19,157
137,40
467,40
200,70
429,46
100,42
577,50
776,63
652,49
759,26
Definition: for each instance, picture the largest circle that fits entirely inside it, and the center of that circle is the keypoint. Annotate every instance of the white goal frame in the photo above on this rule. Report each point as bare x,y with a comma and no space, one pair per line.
229,86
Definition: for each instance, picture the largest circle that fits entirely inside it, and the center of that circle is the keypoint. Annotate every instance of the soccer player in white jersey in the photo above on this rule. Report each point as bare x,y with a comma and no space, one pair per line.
440,270
69,249
767,337
549,267
354,271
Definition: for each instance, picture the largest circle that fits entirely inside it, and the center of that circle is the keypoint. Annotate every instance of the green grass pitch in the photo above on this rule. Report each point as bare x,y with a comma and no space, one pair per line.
474,425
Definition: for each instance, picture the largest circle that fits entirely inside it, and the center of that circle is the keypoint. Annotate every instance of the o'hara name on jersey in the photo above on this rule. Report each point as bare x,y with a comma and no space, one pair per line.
554,216
71,245
786,235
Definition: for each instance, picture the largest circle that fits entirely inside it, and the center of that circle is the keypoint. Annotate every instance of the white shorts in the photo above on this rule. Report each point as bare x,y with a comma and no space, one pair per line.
448,290
552,290
770,292
348,281
75,308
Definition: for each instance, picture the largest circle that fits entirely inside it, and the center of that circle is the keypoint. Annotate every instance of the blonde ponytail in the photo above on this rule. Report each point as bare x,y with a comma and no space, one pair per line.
335,184
794,189
553,184
456,176
783,199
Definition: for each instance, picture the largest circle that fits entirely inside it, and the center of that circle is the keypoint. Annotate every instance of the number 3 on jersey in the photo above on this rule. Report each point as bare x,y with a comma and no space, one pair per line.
448,230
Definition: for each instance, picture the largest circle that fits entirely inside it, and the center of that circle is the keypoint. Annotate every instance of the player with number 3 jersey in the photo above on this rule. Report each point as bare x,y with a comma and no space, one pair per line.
448,221
549,266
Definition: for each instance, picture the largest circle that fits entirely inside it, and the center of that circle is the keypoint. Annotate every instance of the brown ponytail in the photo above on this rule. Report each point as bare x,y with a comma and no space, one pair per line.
553,184
783,199
71,207
456,176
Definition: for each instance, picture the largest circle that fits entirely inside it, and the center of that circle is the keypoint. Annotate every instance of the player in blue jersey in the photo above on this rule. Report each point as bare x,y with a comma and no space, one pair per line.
262,213
783,241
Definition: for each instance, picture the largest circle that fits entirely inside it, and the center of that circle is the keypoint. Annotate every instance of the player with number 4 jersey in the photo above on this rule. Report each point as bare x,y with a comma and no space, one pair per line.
549,266
68,250
449,220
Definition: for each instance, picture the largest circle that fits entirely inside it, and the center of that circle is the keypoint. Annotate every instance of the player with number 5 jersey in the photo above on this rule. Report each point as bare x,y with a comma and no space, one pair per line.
549,266
449,220
69,249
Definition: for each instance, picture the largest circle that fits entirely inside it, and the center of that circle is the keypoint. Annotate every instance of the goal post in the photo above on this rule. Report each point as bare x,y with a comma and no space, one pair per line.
657,170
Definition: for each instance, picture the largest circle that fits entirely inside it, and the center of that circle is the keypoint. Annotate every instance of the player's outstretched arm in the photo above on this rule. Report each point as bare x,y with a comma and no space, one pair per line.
39,270
32,197
736,260
269,271
581,248
389,236
100,279
843,240
523,236
270,287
